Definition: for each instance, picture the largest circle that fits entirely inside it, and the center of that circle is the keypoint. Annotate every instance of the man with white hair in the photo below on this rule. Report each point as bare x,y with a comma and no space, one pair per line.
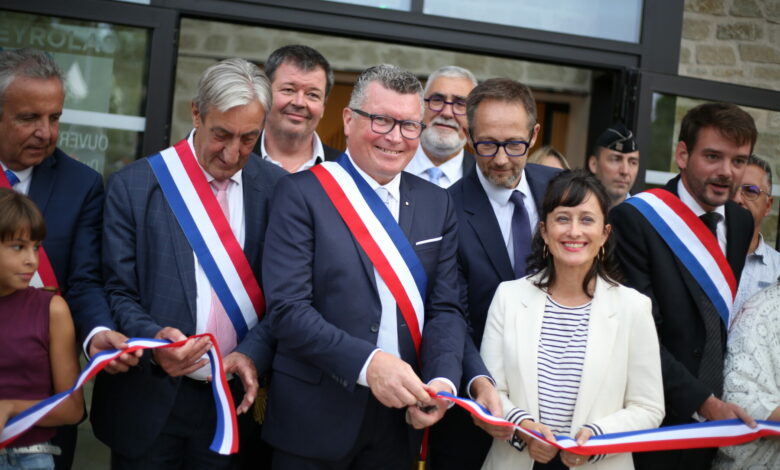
440,158
168,277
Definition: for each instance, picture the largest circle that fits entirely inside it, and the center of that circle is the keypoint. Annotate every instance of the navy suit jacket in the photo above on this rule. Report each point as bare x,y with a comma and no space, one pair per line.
70,196
150,280
652,269
482,256
325,311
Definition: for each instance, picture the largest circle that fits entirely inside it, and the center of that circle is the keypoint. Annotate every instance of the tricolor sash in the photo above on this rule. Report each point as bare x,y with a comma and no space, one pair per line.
44,275
692,243
687,436
208,232
226,436
380,237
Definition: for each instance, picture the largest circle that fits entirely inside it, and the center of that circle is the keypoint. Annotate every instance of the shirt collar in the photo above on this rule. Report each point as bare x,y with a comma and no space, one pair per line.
421,162
761,249
693,204
393,186
23,175
236,178
318,152
499,194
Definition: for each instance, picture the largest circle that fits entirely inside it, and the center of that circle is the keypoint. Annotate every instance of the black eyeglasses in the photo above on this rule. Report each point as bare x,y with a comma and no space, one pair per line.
437,102
384,124
513,148
751,191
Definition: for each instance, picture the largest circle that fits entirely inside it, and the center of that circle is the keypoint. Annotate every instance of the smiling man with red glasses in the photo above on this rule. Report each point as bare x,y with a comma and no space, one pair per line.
762,265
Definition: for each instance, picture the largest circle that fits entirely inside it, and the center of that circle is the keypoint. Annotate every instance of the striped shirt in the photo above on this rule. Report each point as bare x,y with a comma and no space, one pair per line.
562,344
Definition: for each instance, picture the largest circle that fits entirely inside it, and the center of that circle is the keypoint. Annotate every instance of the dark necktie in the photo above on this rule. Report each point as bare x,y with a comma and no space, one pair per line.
711,220
521,233
711,364
12,178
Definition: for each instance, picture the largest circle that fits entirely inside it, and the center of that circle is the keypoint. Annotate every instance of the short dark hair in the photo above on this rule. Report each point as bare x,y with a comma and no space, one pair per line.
18,214
731,121
303,57
755,160
505,90
570,188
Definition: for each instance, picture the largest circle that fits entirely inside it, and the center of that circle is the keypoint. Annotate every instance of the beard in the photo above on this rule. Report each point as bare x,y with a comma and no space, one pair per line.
441,143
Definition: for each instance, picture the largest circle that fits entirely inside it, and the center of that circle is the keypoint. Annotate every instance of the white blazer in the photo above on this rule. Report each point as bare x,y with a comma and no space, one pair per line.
621,387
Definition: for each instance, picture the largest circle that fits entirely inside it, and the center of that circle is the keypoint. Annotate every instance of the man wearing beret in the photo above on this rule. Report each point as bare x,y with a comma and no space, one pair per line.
615,161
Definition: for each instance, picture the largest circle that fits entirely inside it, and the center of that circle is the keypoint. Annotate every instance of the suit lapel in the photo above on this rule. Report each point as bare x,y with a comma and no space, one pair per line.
482,219
602,328
735,257
538,188
42,182
527,320
254,213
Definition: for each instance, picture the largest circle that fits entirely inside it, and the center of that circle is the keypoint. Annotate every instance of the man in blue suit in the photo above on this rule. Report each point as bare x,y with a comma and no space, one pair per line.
346,366
161,414
493,241
68,193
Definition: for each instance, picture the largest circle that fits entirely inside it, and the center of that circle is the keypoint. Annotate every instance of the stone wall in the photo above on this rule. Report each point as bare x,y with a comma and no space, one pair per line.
735,41
204,42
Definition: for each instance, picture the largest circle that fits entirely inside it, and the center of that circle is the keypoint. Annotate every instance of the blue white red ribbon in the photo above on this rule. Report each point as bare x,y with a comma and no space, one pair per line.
688,436
44,275
207,230
692,243
381,238
226,437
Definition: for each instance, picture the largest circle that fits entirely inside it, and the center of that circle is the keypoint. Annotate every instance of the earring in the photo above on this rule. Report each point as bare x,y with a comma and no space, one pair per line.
544,251
602,253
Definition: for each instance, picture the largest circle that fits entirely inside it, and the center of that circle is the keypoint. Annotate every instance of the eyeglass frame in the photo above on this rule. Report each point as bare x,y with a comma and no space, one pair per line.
445,103
753,196
396,122
500,145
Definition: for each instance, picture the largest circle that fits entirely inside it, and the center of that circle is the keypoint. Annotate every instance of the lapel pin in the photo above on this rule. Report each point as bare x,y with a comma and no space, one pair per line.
406,203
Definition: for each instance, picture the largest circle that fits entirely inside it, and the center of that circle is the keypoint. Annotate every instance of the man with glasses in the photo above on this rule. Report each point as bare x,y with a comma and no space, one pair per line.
348,324
441,158
615,161
762,265
497,208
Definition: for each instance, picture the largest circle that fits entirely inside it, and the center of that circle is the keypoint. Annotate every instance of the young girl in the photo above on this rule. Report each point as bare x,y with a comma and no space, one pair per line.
38,355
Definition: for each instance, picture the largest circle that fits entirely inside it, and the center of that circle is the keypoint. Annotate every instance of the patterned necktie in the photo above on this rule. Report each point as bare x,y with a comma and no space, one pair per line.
521,233
219,323
384,195
434,174
12,178
711,365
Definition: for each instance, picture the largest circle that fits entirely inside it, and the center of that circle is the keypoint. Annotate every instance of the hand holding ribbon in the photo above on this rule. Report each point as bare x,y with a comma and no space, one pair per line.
226,439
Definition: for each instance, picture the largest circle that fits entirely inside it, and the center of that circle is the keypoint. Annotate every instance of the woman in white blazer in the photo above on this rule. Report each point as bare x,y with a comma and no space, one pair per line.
572,350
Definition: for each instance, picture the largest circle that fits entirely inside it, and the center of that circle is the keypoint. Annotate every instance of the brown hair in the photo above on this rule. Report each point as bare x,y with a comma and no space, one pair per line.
504,90
731,121
18,214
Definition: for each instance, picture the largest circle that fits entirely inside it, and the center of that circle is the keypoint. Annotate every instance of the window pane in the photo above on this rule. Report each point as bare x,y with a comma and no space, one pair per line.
607,19
667,114
106,69
403,5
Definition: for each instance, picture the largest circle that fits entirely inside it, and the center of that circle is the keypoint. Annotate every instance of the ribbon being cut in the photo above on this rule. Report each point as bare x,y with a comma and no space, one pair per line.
226,437
688,436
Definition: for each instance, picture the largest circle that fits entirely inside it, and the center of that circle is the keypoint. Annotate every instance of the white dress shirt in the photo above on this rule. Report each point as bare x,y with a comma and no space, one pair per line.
689,201
452,169
25,178
504,208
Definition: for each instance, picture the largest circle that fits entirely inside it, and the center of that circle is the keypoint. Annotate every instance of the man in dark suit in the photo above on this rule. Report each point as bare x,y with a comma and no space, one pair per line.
346,365
715,142
68,193
301,80
441,157
499,111
162,413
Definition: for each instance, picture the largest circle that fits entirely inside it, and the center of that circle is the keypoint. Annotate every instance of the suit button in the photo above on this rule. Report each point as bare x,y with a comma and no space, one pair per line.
374,327
697,353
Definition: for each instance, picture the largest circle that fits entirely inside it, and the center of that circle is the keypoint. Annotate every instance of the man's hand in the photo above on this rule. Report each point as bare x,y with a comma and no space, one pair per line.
241,365
394,383
421,419
485,394
184,359
107,340
571,459
541,452
714,409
